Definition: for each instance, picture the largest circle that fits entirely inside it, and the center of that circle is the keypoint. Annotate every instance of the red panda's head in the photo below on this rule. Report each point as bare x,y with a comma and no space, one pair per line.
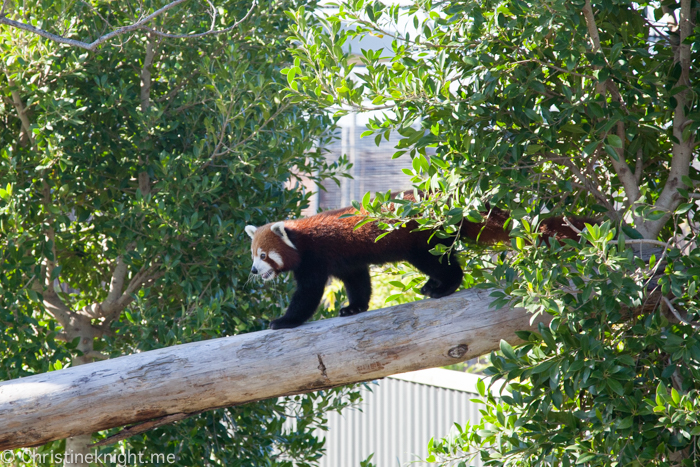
273,252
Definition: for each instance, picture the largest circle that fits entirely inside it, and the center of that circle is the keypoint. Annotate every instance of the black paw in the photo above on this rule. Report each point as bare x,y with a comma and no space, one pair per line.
285,323
429,286
435,289
352,310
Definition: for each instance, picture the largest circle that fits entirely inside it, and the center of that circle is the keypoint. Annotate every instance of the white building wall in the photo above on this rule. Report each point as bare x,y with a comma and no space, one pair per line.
398,417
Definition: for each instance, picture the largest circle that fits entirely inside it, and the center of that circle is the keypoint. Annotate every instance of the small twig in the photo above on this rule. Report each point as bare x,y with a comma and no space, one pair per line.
634,241
217,154
139,25
142,427
206,33
97,12
676,314
571,226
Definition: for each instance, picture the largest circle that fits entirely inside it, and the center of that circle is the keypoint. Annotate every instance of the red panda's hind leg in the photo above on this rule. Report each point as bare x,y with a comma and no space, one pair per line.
358,286
444,273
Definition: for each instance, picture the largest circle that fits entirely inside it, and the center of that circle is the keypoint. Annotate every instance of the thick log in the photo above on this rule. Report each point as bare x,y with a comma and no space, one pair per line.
190,378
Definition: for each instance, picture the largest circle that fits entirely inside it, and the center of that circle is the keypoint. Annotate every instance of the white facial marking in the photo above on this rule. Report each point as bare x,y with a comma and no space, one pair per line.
264,269
274,256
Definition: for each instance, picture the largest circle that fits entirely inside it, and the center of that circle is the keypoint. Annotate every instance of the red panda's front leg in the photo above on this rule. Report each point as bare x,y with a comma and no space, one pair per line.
358,286
311,280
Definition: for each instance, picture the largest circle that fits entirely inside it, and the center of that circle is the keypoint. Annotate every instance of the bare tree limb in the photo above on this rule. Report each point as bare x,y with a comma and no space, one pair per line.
622,170
205,33
139,25
116,286
626,176
94,44
571,226
56,308
682,150
639,241
595,39
19,108
146,73
144,179
145,277
185,379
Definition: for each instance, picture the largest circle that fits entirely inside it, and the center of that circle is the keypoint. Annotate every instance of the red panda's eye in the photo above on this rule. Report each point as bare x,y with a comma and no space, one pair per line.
263,256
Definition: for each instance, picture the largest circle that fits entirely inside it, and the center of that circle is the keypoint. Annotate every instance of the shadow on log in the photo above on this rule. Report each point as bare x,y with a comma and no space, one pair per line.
175,382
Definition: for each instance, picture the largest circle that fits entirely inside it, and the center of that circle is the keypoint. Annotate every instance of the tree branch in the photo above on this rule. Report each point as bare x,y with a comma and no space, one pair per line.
144,179
216,153
139,25
146,73
116,286
682,150
206,33
109,310
626,176
234,370
19,108
94,44
592,189
56,308
595,39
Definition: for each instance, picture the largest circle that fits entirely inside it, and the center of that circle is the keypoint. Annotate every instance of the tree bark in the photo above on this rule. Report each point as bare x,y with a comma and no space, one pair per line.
186,379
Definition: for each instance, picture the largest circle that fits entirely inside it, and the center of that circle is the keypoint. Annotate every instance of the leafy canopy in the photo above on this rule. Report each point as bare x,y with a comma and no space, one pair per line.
547,108
128,175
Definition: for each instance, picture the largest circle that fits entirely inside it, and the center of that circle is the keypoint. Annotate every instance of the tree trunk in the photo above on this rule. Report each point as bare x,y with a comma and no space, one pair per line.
180,380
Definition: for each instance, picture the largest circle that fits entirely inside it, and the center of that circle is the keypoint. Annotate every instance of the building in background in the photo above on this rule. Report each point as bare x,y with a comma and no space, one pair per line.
400,414
373,167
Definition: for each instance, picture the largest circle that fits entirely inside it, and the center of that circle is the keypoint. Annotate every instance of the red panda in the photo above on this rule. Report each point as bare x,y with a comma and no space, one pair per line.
324,245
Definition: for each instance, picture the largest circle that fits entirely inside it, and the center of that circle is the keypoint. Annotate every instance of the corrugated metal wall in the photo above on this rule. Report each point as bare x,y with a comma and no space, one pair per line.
373,168
398,418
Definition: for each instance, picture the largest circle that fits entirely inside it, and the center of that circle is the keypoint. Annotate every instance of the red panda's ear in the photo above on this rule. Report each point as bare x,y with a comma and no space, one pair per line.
250,230
278,229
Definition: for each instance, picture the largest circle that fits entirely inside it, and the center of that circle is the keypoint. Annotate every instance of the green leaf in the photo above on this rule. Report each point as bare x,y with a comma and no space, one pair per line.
675,396
365,200
615,386
612,152
614,141
590,147
631,232
507,350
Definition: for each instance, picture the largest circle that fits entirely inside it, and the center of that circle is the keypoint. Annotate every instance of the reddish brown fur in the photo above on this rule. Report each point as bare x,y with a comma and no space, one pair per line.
329,245
336,238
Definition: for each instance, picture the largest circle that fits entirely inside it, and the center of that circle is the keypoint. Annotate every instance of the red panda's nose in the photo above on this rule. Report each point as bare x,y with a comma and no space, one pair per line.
254,270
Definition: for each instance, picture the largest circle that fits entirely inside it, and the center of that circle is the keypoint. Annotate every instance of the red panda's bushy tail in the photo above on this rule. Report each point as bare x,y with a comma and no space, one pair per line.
493,231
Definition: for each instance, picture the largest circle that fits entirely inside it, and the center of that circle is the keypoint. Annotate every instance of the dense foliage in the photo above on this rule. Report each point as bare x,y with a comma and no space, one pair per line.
548,108
141,163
